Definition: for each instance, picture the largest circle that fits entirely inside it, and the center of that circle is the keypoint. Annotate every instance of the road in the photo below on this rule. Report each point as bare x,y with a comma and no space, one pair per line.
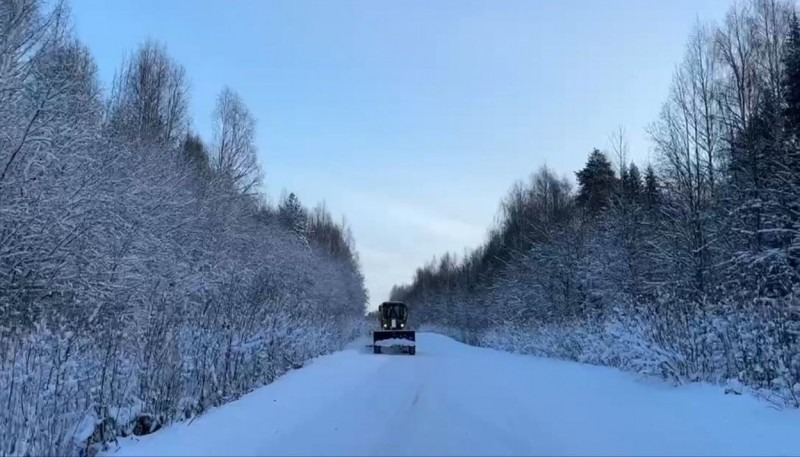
453,399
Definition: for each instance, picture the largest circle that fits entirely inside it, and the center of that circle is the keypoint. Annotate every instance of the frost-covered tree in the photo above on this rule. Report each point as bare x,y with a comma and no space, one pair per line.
149,102
690,272
141,281
293,215
234,154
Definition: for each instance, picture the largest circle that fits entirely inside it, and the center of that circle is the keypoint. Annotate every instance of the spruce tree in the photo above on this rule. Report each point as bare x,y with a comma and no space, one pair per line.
292,214
597,183
651,197
791,79
791,117
632,184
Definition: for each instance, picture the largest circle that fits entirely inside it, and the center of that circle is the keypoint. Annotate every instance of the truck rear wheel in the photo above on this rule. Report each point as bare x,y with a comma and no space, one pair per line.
412,350
376,349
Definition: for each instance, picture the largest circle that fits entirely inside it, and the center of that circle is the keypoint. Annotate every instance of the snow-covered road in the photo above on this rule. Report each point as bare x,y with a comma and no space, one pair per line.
452,399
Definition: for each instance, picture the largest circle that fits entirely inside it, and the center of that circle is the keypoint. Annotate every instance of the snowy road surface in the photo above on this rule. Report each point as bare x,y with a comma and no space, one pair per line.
452,399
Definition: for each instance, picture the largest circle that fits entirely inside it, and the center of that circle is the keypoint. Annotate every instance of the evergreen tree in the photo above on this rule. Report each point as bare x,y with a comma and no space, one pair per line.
597,183
292,214
791,79
790,173
195,152
632,184
650,194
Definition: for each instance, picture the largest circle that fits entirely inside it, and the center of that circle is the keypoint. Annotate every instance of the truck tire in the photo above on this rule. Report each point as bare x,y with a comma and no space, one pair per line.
412,350
376,349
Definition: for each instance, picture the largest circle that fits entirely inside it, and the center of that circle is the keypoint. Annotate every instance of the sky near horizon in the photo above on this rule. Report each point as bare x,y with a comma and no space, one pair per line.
413,118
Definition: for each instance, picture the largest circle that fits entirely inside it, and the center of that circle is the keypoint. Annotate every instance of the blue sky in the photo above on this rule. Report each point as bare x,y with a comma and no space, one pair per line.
412,118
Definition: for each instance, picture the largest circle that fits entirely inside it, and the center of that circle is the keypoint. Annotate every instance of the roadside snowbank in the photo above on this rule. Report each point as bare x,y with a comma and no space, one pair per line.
463,400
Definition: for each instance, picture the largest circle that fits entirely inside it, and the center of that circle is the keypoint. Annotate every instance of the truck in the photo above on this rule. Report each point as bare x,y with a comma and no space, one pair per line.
394,331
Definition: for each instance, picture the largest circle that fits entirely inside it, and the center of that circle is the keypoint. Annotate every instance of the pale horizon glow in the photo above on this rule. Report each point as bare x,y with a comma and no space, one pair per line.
412,119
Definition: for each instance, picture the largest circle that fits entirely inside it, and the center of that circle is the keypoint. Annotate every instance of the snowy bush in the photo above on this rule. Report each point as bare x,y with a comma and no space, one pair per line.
143,278
732,349
688,270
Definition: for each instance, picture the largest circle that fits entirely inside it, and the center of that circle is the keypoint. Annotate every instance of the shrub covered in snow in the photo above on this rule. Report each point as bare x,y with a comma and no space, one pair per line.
732,349
143,277
689,270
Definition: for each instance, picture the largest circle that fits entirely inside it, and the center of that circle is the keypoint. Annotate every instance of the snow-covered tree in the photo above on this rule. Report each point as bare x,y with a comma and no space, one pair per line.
234,154
143,276
690,272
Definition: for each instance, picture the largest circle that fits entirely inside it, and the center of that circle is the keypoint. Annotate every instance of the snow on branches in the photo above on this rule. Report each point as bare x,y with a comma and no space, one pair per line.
143,279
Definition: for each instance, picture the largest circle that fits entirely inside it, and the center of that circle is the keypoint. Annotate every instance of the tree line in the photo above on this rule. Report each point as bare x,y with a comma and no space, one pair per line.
144,277
688,268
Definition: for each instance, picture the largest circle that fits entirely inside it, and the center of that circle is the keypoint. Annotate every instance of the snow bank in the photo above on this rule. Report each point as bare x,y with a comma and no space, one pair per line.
463,400
725,352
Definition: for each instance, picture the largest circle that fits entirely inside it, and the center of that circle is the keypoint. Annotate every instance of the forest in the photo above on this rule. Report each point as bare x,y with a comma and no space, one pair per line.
145,277
686,268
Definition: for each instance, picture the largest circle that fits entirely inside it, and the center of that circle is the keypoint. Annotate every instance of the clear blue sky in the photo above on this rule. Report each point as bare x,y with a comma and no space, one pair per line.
413,118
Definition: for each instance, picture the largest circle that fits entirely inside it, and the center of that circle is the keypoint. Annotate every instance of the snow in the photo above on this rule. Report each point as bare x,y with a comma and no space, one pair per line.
395,342
84,429
453,399
125,415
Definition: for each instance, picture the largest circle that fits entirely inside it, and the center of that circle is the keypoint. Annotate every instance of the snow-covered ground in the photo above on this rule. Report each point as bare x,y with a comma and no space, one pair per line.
452,399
